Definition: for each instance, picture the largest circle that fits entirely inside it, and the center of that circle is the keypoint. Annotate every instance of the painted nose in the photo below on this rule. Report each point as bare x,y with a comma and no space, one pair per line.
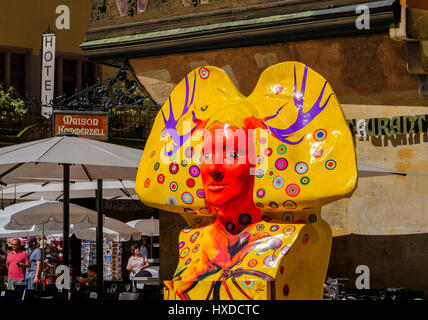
216,174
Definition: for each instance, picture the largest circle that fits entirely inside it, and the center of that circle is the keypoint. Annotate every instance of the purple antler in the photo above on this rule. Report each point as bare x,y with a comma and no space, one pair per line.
171,123
303,118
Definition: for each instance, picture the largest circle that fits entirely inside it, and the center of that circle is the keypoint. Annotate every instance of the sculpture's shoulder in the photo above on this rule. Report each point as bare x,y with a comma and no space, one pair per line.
192,235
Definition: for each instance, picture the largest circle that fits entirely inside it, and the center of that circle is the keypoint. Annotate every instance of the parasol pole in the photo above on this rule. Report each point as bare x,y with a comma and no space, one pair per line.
99,235
66,212
43,258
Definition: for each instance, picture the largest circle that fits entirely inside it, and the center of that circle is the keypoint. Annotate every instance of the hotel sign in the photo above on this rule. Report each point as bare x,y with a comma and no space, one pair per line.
48,73
85,125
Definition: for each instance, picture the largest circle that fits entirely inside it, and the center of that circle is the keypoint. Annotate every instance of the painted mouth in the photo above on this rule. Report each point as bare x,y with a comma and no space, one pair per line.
217,187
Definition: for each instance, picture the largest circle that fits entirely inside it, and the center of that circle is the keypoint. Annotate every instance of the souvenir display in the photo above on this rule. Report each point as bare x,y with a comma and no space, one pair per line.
112,252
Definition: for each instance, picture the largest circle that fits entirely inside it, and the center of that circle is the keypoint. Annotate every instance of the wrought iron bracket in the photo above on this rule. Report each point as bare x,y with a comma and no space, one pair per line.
423,85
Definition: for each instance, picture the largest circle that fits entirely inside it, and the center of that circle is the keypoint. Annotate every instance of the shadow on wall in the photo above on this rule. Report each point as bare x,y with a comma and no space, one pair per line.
394,261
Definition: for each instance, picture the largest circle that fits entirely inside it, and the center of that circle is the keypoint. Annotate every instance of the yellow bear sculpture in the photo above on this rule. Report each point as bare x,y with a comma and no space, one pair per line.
249,175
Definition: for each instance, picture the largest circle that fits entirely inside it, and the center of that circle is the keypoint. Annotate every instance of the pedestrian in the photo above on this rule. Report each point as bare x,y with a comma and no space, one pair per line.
91,280
143,249
32,274
16,262
136,264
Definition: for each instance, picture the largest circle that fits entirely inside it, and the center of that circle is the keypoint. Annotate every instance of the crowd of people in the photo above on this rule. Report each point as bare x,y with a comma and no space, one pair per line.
24,267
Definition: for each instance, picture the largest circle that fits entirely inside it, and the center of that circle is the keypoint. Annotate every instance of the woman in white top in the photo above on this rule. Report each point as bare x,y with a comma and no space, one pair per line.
136,263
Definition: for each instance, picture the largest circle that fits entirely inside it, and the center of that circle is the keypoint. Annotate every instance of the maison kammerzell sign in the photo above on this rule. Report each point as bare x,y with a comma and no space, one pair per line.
127,205
399,130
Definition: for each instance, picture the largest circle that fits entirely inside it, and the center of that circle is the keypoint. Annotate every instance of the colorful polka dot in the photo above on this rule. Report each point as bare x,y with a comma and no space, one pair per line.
301,168
173,168
268,152
260,173
181,244
161,178
200,193
189,211
264,235
171,201
204,108
259,205
147,183
292,190
194,237
289,204
205,210
312,218
278,182
273,205
156,166
271,173
285,290
263,140
244,219
187,198
305,238
288,230
281,164
188,261
330,164
248,284
184,252
320,134
173,186
204,73
252,263
269,260
260,193
190,183
274,228
196,248
282,149
305,180
287,217
194,171
153,153
230,226
260,227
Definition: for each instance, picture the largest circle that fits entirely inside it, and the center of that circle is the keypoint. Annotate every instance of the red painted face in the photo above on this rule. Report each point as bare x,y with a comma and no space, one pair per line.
225,169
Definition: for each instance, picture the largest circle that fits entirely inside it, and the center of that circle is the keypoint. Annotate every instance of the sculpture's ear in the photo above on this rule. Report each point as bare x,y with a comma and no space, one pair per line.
311,151
168,176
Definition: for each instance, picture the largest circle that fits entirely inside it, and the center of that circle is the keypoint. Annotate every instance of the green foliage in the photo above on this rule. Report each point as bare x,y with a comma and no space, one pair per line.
10,105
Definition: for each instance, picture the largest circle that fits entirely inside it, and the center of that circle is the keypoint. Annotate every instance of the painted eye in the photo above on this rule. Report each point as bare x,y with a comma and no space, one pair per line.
232,155
207,155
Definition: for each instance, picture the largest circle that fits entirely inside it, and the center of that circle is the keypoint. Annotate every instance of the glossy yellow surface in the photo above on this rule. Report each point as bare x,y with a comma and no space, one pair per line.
296,173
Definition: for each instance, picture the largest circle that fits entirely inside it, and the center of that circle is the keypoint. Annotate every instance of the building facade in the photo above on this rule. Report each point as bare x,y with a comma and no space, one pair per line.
373,53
